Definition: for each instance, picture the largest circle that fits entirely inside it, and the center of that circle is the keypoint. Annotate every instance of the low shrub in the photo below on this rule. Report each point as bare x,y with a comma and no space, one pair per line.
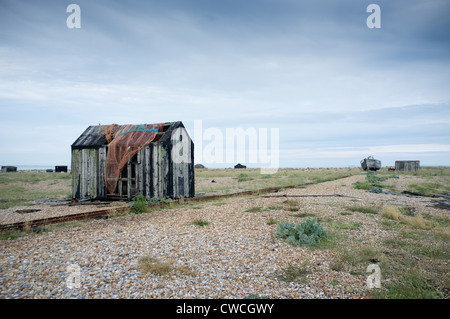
255,209
200,222
377,190
309,232
391,212
155,266
293,273
372,178
364,210
361,185
140,204
244,177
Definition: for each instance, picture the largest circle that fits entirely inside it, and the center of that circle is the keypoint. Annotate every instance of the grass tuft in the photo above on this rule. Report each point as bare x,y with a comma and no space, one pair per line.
200,222
155,266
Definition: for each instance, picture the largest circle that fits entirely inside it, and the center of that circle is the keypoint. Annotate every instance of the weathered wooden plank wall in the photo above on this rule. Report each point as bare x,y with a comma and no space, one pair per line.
85,171
102,191
407,165
182,163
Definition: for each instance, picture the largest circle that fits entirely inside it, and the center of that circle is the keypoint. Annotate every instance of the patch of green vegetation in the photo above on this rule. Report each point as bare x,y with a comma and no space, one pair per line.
200,222
374,179
12,234
355,260
360,209
302,215
415,266
294,273
376,190
348,226
140,205
428,189
309,232
411,285
389,223
361,185
345,213
24,187
290,202
254,296
334,282
255,209
218,204
244,177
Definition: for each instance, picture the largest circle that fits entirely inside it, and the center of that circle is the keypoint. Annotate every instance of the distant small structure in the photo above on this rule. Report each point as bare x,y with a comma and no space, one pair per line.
60,169
407,165
199,166
240,166
6,169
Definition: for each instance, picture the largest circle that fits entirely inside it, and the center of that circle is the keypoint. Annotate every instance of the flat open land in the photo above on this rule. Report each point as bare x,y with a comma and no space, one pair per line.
230,247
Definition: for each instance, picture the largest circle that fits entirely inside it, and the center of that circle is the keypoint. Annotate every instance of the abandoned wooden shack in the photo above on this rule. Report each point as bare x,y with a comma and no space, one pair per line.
407,165
124,161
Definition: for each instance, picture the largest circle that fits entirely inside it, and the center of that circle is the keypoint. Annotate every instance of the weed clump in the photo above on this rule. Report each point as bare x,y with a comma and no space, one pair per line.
244,177
373,179
371,183
391,212
139,204
376,190
200,222
309,232
155,266
415,221
293,273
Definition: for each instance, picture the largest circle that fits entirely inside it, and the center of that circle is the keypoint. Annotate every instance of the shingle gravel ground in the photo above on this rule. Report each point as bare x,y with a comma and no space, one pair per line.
235,256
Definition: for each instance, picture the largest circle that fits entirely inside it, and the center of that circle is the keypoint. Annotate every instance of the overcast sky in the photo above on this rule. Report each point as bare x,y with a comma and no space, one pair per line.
336,90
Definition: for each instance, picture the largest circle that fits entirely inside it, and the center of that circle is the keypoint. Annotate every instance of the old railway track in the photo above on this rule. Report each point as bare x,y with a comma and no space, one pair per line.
35,224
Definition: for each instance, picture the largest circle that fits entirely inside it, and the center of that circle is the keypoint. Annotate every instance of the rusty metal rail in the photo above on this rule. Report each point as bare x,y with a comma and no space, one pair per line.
107,212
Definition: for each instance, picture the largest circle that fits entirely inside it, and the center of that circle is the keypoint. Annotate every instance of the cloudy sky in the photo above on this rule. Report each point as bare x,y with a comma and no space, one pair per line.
336,90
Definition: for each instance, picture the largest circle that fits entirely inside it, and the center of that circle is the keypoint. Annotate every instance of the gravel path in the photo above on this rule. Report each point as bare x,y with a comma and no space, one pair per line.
236,255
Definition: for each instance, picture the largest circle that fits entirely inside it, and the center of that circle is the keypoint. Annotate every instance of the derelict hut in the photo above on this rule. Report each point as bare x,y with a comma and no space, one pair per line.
123,161
240,166
407,165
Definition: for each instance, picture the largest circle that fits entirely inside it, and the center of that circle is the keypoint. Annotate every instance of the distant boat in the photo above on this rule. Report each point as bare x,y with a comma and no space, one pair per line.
371,164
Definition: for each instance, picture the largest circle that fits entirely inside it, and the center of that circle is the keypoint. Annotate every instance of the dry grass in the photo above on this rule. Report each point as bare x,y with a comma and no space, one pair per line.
153,265
416,221
391,212
443,233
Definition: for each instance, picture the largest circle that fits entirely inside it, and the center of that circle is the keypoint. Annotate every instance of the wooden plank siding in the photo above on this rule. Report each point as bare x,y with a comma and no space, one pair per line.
85,173
407,165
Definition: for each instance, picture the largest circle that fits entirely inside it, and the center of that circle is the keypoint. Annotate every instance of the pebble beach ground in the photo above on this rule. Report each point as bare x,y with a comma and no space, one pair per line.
236,255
